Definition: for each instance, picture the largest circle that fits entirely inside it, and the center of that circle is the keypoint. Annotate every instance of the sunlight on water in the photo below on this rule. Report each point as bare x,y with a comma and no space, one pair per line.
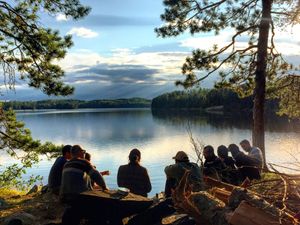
109,135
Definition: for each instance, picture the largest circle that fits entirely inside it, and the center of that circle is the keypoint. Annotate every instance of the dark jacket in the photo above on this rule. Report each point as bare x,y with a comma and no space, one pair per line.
75,177
176,171
54,178
229,162
247,166
134,177
213,167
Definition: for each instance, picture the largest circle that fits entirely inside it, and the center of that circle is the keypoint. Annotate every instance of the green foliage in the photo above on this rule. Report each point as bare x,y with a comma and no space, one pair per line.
75,104
29,51
287,91
16,142
201,99
235,63
29,48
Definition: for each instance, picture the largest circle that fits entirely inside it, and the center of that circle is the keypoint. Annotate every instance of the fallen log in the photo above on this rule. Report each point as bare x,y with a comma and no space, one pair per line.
227,205
246,214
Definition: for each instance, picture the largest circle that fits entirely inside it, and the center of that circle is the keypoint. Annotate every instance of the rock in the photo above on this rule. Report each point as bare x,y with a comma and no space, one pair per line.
34,189
25,218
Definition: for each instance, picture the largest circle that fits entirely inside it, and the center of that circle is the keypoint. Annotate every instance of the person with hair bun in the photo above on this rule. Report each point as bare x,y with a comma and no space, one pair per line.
134,176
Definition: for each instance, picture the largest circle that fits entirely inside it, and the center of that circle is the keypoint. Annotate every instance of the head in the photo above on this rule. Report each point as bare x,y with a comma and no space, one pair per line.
87,156
208,152
222,152
134,156
66,151
181,156
245,144
234,149
77,152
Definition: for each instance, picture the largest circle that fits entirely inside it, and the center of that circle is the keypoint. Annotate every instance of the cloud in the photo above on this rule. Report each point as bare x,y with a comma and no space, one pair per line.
83,32
116,74
114,21
167,63
61,17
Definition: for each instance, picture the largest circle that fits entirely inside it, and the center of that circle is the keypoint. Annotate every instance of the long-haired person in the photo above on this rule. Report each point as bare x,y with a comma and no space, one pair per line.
134,176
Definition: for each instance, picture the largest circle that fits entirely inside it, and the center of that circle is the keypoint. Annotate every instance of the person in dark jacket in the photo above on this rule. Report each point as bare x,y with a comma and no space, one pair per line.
223,155
213,165
76,173
230,174
54,178
134,176
176,171
246,164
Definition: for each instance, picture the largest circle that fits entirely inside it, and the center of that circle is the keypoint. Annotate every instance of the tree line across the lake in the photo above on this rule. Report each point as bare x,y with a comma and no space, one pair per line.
210,99
77,104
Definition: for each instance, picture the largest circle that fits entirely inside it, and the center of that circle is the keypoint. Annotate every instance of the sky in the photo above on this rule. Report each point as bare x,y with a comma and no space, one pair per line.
117,54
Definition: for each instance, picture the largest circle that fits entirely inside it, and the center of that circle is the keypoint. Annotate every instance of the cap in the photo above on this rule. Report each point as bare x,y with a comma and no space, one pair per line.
181,156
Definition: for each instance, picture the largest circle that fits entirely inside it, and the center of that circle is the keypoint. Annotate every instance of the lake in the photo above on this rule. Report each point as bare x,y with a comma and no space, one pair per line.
109,135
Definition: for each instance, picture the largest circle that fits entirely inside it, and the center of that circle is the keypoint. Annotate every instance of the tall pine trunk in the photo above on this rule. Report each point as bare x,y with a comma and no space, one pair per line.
258,132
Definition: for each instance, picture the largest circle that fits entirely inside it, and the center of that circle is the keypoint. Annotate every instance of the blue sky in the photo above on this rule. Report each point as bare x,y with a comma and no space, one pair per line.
117,54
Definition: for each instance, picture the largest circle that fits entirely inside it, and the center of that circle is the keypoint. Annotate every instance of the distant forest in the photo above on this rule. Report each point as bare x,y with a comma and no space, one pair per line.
77,104
201,99
208,100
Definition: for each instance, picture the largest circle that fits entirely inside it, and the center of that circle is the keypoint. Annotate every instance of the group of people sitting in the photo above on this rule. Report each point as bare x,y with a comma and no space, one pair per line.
73,173
233,169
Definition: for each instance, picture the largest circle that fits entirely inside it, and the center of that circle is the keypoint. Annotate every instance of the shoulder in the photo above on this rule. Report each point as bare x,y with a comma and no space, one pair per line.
194,165
171,167
79,163
123,168
60,159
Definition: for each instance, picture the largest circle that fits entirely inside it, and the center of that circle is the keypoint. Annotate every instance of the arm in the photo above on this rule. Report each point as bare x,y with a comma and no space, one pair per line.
148,186
119,178
97,178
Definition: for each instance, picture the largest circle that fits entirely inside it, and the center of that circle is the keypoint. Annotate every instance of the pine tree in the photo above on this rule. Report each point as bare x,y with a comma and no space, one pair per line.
250,67
27,52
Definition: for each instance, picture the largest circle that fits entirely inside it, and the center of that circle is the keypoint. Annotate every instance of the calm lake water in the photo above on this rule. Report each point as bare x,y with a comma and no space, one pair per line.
109,135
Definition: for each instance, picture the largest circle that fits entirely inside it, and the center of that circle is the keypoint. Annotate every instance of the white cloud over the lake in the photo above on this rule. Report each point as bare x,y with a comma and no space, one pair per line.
61,17
83,32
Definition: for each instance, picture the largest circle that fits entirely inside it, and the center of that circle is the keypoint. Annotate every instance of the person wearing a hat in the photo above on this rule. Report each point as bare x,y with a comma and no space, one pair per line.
176,171
76,174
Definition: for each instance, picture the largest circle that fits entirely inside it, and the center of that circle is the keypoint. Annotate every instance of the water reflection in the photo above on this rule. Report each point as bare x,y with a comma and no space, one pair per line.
273,123
109,134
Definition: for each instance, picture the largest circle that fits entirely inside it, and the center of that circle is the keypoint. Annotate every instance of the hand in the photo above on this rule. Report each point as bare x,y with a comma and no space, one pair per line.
104,173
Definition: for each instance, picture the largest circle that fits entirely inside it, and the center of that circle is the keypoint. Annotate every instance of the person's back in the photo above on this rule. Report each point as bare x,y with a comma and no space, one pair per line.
177,170
134,176
76,174
55,174
246,164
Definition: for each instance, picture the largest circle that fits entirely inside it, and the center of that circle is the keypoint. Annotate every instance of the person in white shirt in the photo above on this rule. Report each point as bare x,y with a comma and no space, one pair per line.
253,152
